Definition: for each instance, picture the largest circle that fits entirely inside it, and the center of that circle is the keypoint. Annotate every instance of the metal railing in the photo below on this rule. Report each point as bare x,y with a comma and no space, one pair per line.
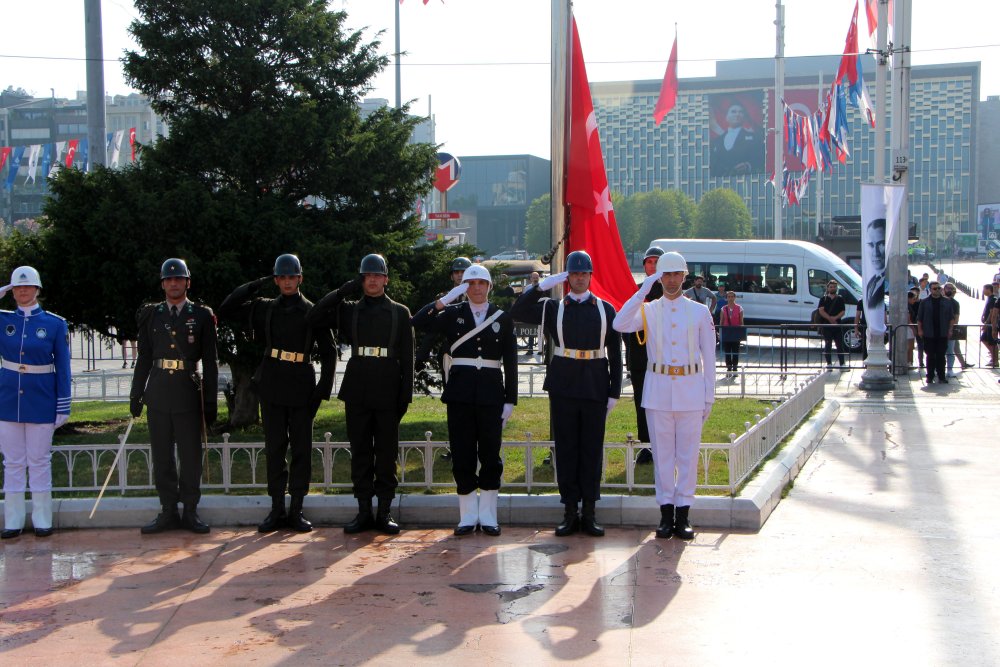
85,466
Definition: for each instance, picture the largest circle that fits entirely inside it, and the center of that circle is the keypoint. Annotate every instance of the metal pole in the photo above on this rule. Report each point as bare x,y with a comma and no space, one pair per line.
96,115
399,95
819,177
779,133
902,13
881,113
559,121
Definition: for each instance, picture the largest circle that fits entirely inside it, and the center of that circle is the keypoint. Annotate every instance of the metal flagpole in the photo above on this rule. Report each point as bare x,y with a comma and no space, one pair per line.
902,12
399,95
559,123
779,133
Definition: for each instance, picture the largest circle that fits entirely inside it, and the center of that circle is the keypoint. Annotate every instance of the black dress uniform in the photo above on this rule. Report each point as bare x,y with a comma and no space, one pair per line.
579,390
376,390
475,393
286,383
171,348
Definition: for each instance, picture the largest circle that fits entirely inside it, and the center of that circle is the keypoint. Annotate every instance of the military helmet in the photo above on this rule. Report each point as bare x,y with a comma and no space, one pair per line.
287,265
460,264
670,262
477,272
654,251
374,264
174,268
579,261
25,276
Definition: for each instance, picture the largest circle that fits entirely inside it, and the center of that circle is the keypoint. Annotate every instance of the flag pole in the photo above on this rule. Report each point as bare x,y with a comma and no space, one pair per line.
399,95
559,123
677,135
779,93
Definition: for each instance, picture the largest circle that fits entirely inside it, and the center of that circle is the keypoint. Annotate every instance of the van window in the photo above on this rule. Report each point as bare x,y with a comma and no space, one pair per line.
771,278
715,274
818,280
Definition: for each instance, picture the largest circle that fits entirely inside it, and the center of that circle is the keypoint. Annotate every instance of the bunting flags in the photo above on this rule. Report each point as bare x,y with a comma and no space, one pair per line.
15,164
32,163
116,147
4,153
592,224
850,69
46,158
669,88
74,145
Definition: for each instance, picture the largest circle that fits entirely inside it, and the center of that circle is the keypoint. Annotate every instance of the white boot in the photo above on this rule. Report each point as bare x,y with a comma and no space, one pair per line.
488,512
13,513
468,508
41,510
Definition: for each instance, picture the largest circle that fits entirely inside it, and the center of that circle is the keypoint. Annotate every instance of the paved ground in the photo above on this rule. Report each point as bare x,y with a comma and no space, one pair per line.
883,553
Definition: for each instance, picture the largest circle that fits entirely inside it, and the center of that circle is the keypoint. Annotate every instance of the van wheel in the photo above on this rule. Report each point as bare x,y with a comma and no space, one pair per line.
852,341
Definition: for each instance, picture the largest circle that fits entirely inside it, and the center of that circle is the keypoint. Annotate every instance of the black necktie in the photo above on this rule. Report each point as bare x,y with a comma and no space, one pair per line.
173,311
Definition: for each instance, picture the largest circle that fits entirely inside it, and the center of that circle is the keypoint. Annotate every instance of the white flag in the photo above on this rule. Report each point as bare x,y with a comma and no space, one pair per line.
56,158
32,163
880,206
116,150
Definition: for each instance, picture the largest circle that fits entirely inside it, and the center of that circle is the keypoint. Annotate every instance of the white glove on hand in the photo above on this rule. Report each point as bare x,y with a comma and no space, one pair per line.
455,292
611,404
549,282
61,419
648,283
5,289
508,410
706,413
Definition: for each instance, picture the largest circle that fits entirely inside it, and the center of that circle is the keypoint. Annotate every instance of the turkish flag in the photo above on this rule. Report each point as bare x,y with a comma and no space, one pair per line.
74,145
131,141
668,90
592,225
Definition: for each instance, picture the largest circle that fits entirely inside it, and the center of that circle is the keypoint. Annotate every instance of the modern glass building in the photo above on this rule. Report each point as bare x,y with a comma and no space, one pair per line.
640,156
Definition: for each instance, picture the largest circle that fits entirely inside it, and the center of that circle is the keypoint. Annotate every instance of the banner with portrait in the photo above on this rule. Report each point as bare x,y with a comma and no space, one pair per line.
880,206
988,221
736,129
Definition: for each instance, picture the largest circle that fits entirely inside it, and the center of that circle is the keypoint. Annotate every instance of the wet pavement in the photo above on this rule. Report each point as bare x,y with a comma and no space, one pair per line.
882,553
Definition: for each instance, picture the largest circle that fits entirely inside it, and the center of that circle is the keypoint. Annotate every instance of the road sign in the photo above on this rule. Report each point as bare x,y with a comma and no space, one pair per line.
448,171
444,215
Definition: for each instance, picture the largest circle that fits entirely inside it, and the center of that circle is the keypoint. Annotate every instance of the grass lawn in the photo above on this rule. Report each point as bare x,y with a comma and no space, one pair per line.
98,422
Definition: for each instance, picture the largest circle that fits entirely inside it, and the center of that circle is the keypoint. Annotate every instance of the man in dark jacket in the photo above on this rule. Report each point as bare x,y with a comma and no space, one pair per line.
286,383
935,319
480,339
176,336
377,387
584,381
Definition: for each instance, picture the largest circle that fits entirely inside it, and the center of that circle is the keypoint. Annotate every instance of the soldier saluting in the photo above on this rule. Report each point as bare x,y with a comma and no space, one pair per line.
176,336
377,387
286,383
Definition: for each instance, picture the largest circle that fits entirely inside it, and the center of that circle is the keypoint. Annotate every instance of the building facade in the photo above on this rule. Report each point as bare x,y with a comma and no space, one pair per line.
639,156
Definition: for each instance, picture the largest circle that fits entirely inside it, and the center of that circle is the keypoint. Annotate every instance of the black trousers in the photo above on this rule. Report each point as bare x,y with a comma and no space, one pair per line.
183,429
638,378
732,354
474,432
935,349
833,335
374,438
287,427
578,431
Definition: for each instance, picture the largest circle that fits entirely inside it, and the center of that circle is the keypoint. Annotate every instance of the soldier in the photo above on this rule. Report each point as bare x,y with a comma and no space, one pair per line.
377,387
584,381
286,383
34,401
679,383
174,336
480,400
635,354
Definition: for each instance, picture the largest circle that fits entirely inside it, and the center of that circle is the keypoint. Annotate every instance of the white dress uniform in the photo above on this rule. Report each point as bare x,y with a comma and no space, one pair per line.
679,386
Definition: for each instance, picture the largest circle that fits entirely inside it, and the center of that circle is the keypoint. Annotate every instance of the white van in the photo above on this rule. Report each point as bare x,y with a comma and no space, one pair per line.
776,282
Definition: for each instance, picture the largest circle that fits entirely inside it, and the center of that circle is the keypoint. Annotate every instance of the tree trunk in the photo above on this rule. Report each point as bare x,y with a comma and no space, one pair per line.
243,400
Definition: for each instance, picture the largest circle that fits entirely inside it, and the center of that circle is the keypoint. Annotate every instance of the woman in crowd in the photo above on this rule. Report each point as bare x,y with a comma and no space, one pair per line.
731,333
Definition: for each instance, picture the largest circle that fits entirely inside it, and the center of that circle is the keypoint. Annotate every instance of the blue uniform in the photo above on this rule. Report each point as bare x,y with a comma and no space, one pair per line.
36,340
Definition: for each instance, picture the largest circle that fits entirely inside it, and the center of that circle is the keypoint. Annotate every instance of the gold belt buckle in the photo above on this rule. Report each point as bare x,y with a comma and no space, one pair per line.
675,370
581,354
22,368
287,356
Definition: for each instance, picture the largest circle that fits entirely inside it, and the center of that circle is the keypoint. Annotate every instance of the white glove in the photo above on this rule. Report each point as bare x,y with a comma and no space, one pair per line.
549,282
5,289
706,413
61,419
648,283
508,410
611,404
456,291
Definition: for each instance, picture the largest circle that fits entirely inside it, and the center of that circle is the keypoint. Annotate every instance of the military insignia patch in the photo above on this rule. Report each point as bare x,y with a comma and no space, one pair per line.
496,327
11,330
460,320
41,333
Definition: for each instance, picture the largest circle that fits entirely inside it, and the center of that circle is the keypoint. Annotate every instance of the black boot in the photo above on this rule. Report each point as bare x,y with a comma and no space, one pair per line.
384,521
296,521
570,523
276,519
190,520
589,521
167,519
364,520
666,527
682,528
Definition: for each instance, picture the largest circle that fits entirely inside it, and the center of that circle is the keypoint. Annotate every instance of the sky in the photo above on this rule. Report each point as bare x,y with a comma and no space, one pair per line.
482,66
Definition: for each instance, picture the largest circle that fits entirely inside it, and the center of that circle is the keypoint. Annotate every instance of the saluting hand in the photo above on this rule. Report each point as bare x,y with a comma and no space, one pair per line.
5,289
648,283
456,291
261,282
549,282
351,286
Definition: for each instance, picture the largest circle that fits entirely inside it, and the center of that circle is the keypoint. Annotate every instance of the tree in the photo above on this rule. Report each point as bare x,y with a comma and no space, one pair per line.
268,153
538,226
723,215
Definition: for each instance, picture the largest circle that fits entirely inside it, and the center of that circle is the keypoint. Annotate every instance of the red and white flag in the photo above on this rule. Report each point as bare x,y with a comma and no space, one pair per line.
668,91
131,141
74,145
592,225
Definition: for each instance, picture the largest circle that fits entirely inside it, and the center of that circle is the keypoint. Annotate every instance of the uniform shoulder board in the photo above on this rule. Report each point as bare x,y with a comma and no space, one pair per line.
192,306
145,311
58,317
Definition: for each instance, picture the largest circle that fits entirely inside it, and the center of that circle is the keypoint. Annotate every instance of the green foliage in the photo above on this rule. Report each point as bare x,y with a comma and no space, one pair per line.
538,224
722,214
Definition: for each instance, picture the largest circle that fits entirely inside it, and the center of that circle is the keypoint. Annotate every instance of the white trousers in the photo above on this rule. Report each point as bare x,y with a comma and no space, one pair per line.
676,439
27,456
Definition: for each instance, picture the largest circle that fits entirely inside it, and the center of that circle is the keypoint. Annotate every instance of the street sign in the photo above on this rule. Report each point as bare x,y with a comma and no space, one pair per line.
448,171
444,215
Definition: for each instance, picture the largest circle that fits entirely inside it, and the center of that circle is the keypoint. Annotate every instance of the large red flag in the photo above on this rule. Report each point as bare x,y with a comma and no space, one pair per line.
592,225
4,152
668,91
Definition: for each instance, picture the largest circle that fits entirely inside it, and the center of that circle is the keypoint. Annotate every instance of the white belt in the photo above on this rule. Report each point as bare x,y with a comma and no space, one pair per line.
373,352
579,354
28,368
477,362
664,369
